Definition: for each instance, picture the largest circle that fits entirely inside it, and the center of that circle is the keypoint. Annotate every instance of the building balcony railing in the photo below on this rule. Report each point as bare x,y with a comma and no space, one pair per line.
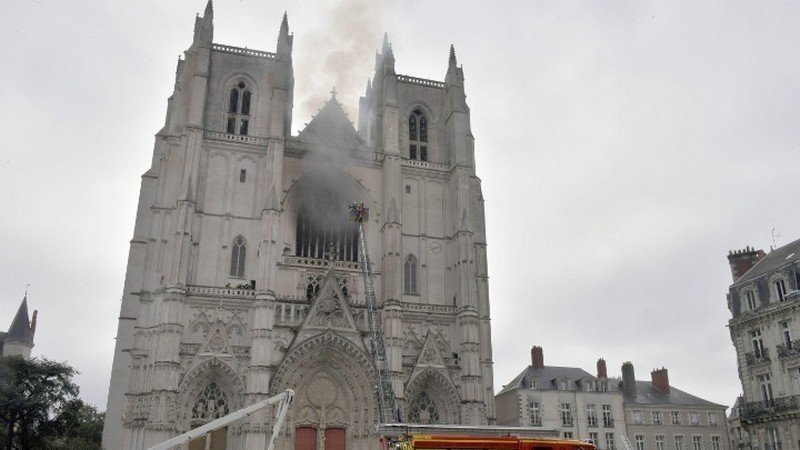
759,357
751,410
788,349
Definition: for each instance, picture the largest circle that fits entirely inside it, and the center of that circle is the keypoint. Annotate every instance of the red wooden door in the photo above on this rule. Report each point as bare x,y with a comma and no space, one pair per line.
305,438
335,439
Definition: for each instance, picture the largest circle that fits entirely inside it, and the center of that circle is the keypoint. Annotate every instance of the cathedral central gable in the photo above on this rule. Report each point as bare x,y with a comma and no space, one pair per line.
331,128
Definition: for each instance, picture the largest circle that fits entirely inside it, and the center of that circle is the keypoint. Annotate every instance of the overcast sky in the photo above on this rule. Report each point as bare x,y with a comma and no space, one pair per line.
624,147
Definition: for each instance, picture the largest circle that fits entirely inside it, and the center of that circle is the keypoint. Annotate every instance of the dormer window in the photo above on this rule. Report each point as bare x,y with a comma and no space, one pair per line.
418,136
750,300
780,290
238,117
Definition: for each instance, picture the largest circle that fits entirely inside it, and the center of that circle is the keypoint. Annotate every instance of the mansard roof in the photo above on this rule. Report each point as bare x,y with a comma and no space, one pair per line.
649,395
774,260
331,127
546,377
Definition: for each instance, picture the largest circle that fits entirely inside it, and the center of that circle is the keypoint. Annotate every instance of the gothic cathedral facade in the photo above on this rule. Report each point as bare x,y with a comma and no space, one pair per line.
244,277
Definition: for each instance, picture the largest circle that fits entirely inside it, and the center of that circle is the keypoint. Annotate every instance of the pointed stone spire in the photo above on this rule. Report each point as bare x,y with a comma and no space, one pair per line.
285,25
386,46
369,87
20,329
284,38
207,29
455,76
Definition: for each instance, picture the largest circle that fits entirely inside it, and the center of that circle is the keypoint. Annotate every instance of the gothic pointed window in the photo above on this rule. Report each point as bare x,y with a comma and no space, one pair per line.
312,288
418,136
238,253
211,404
423,410
238,117
410,275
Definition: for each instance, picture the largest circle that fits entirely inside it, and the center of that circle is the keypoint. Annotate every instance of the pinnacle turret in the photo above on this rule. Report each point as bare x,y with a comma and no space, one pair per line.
454,77
19,338
204,27
284,38
386,46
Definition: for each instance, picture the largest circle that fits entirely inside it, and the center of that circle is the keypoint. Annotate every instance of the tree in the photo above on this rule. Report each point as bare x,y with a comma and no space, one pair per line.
40,409
79,426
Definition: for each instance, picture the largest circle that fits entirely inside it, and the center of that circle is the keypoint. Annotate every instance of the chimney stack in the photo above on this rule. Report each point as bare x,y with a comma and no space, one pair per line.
601,368
628,380
537,357
660,379
742,260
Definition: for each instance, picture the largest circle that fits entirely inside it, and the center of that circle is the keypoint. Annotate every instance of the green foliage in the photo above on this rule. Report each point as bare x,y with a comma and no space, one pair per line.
40,408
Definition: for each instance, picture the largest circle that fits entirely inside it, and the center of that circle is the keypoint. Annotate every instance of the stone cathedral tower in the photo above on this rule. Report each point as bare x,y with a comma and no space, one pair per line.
244,279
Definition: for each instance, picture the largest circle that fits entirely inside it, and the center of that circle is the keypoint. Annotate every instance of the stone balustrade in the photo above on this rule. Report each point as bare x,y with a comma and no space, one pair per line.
242,51
420,81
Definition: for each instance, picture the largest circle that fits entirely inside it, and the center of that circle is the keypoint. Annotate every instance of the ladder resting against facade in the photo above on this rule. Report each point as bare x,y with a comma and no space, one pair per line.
284,401
387,409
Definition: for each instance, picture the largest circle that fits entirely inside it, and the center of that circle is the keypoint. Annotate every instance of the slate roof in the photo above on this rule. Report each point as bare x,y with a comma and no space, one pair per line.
647,394
20,329
775,259
546,375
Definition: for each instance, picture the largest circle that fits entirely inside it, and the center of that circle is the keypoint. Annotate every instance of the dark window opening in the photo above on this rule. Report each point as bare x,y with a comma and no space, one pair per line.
410,275
418,136
233,104
246,103
242,176
323,230
238,252
238,109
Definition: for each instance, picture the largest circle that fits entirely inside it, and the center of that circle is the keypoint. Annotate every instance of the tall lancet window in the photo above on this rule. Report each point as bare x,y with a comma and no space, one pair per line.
238,118
238,252
418,136
410,275
324,229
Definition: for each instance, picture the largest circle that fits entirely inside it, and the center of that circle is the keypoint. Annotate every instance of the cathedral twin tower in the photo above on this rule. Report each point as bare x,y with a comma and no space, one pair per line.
244,279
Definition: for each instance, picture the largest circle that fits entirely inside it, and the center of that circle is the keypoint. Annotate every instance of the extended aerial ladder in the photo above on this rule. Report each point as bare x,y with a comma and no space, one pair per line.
387,407
626,443
284,399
